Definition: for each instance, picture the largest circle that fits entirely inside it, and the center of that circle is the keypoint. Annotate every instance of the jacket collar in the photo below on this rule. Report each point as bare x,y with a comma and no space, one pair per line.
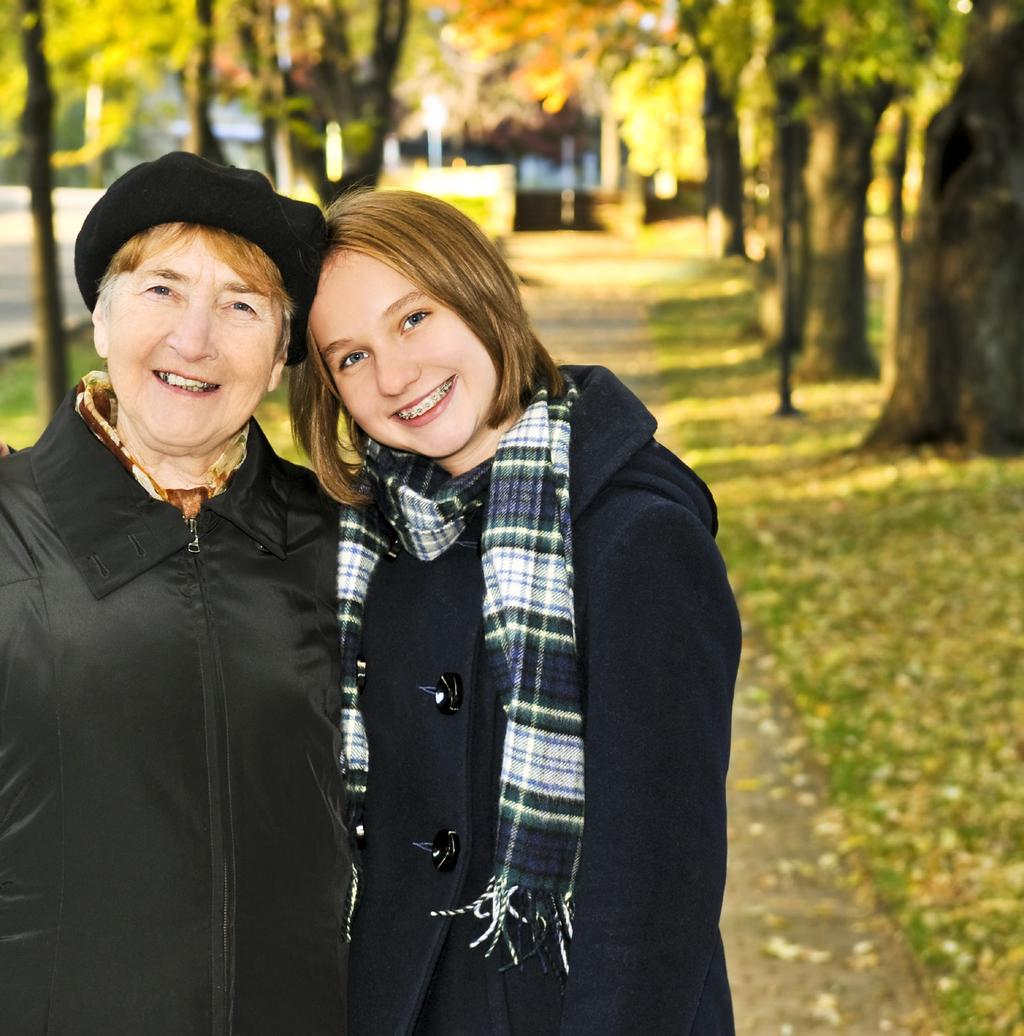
114,531
609,425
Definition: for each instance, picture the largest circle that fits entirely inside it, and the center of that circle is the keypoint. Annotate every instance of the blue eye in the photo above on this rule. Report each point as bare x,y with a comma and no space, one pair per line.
414,319
242,307
160,290
352,359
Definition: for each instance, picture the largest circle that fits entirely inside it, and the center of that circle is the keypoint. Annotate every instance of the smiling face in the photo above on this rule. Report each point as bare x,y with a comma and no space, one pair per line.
409,371
191,349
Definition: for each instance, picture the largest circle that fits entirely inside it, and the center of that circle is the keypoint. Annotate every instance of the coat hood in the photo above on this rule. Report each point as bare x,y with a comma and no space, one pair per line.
613,443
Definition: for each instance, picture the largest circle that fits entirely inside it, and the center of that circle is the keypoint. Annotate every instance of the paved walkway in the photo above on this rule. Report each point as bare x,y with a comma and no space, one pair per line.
808,952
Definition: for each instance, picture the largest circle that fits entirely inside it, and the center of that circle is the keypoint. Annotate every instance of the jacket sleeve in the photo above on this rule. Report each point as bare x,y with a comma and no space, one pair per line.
659,640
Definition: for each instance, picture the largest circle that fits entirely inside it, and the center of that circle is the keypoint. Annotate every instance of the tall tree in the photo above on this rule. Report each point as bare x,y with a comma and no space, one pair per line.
120,51
722,36
723,186
858,56
960,350
837,176
37,141
200,88
789,200
345,63
896,170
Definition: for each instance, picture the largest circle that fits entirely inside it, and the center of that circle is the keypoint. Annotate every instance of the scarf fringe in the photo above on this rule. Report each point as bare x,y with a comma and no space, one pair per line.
351,899
523,922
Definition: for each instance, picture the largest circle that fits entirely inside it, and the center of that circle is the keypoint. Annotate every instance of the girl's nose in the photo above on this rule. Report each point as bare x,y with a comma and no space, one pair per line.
396,372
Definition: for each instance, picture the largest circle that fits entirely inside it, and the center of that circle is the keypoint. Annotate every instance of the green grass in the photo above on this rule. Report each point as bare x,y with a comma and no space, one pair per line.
888,592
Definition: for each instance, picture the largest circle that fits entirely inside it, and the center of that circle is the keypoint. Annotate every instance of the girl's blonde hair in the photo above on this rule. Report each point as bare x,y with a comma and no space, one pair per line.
446,255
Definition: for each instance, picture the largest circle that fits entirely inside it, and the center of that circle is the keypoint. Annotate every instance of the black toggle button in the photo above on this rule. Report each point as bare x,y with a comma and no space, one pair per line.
394,547
360,836
360,673
445,850
448,693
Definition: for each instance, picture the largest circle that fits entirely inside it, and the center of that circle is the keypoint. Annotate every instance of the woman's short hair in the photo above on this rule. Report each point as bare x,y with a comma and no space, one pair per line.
248,260
446,255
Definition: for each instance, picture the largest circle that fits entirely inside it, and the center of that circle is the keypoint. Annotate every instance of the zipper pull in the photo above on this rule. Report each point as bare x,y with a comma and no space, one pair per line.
193,527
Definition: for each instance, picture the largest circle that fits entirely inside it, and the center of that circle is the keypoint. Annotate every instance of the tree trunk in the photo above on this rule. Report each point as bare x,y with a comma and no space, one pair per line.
897,168
723,191
791,241
258,34
36,125
960,350
199,91
788,235
842,131
348,91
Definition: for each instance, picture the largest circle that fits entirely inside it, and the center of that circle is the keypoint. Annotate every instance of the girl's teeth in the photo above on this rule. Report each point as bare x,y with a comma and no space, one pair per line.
190,384
426,403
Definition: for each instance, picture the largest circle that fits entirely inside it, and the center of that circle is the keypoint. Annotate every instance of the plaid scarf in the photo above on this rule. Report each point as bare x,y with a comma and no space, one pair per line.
529,647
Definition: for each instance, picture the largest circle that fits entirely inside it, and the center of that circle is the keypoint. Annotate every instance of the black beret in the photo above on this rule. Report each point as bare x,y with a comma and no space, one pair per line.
184,188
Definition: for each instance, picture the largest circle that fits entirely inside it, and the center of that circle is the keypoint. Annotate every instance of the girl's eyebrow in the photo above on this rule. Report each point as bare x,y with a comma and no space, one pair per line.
401,303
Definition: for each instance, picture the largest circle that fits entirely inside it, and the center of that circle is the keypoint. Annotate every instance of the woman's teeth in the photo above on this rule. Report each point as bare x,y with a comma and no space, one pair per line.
427,402
189,384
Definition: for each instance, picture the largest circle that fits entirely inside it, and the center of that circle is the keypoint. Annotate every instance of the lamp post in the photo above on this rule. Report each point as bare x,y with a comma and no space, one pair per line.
435,116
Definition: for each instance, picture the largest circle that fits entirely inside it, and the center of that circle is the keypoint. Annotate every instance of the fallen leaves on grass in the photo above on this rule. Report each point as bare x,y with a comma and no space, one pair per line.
889,593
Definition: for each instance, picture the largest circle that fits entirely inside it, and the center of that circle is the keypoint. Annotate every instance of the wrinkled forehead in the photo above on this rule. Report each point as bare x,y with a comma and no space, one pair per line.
194,248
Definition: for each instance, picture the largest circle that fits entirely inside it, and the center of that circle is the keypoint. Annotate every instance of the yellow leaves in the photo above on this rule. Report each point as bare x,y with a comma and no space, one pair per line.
782,949
661,117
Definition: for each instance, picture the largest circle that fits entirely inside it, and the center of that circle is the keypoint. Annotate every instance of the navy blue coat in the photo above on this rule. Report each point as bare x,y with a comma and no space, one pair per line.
658,643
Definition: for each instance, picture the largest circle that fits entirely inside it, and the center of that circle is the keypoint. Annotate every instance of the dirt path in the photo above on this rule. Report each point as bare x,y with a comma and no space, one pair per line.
808,953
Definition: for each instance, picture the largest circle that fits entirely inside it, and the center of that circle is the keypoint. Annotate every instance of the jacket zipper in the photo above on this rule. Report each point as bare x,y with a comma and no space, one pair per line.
214,722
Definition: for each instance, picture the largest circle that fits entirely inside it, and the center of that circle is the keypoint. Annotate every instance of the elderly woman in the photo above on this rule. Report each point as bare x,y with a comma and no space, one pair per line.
172,853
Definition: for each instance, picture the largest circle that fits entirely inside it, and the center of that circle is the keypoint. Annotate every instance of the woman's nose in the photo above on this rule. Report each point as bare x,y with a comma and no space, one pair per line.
192,337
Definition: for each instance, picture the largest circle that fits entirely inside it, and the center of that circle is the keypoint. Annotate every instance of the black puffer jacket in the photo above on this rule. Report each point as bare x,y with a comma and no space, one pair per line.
172,858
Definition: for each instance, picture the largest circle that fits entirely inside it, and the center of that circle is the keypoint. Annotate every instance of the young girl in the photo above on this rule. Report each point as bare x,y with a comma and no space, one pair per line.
540,646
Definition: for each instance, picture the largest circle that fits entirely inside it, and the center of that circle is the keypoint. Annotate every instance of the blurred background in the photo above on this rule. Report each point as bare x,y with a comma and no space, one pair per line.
796,229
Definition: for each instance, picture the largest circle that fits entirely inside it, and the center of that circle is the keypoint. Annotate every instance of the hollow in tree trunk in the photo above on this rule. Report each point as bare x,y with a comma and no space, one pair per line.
960,349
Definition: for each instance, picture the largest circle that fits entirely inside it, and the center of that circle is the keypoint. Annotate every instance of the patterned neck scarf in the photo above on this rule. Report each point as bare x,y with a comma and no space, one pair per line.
529,647
96,404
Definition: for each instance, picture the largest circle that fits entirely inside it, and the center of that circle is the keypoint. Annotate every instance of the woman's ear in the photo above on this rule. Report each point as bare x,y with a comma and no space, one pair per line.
100,330
276,371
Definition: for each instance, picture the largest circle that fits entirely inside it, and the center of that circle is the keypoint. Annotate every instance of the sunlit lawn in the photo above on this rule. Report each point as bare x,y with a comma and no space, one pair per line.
885,595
